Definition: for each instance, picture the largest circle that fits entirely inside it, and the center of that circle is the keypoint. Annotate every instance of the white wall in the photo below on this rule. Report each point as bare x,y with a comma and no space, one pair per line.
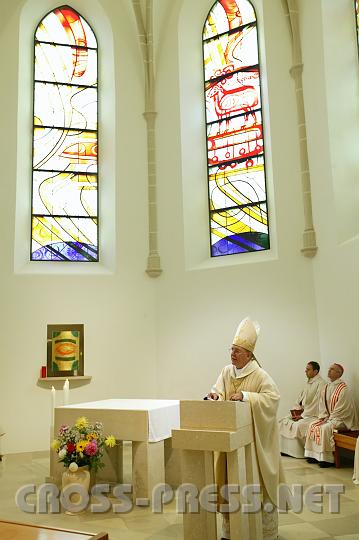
331,84
201,301
116,308
168,337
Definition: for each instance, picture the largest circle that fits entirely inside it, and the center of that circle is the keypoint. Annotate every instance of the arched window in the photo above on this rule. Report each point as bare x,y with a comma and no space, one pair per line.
236,172
64,182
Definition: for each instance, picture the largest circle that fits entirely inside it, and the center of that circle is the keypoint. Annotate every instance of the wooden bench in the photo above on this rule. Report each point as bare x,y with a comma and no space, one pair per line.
344,439
10,530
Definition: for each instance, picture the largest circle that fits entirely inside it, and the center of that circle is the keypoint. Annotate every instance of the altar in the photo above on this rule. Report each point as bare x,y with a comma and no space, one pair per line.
144,422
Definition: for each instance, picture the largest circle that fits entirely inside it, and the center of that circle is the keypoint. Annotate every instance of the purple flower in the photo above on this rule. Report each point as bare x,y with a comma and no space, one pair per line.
91,448
63,429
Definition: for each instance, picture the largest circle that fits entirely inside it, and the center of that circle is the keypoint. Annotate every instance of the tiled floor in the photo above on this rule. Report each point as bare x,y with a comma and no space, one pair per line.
142,524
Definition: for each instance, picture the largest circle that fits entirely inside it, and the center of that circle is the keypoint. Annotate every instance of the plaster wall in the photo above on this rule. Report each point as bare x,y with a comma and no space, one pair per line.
168,337
331,84
114,299
200,300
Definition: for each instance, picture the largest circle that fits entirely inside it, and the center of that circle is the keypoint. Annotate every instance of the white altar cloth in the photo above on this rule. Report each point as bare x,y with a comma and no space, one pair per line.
162,414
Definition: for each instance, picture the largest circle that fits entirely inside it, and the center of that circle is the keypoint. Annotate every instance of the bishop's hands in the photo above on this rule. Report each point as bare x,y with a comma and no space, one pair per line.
237,397
212,396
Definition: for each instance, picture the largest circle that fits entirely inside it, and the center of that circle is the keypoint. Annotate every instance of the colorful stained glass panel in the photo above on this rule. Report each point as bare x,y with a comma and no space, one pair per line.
64,239
65,26
239,230
236,166
233,95
65,150
230,52
227,14
235,139
237,187
61,64
65,194
59,150
67,106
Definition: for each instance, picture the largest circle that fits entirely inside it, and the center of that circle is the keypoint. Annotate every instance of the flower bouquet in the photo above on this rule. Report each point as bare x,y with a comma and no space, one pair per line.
82,444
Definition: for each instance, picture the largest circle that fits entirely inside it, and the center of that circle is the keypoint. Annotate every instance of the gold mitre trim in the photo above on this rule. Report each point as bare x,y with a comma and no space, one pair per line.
246,335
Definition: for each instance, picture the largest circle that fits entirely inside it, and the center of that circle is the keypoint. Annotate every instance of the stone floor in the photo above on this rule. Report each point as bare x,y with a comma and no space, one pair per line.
143,524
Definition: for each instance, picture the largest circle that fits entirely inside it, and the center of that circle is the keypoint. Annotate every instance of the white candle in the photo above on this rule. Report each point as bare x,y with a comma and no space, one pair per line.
66,392
53,403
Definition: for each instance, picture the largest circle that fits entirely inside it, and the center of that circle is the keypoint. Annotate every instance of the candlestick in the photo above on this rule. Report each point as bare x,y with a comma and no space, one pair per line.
66,390
53,403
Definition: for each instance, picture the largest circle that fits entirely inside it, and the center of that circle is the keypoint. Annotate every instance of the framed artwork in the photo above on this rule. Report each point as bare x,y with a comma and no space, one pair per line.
65,350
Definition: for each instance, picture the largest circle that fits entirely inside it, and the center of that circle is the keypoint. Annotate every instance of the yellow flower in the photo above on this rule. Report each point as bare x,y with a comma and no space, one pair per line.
81,422
80,446
55,445
110,441
92,436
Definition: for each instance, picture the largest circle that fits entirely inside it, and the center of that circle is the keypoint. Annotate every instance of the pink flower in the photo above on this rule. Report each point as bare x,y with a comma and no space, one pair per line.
91,448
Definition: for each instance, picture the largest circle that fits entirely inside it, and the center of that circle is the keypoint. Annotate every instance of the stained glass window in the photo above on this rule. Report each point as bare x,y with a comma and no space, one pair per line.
64,186
236,165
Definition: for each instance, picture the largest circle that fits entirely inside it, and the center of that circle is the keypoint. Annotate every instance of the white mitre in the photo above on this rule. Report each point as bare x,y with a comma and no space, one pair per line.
246,335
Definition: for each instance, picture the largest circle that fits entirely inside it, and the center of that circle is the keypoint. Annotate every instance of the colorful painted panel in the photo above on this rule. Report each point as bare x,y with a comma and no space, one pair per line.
65,148
65,350
236,164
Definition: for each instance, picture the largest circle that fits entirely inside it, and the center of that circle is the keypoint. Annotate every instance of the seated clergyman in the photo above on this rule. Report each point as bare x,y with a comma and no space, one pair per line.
336,411
293,428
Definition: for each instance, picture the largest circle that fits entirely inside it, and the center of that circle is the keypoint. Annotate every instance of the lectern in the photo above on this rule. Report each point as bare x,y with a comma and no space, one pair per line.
218,426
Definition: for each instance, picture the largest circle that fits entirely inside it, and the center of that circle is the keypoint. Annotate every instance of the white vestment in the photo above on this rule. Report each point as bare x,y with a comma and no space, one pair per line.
293,432
263,396
336,411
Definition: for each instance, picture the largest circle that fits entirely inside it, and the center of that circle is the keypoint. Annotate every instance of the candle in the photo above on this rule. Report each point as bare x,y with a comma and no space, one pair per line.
53,402
66,390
